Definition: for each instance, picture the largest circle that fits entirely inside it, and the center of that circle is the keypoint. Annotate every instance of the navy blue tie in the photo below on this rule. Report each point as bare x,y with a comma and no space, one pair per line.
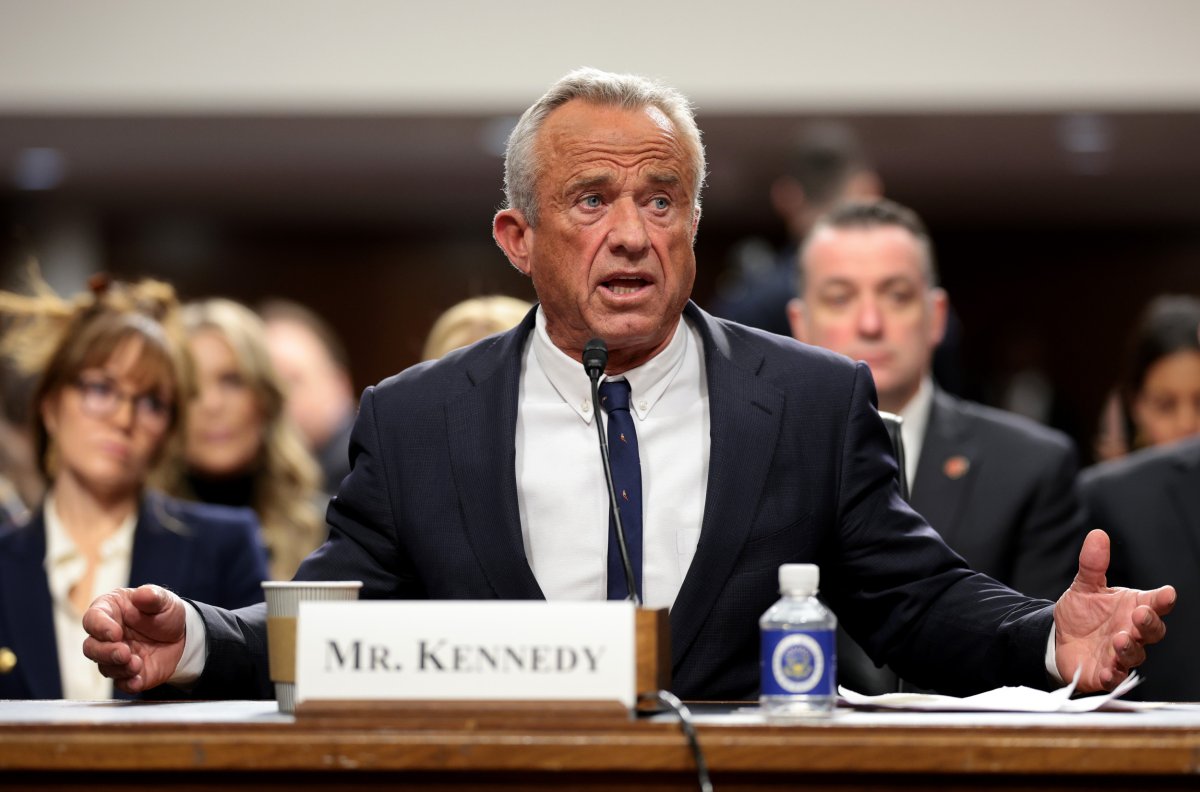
627,481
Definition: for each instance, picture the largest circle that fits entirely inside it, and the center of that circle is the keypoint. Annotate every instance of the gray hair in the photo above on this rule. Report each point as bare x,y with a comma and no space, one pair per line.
628,91
879,213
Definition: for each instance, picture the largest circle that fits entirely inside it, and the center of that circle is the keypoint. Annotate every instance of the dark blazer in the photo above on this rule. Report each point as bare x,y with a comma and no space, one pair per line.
1149,503
1000,489
800,471
196,550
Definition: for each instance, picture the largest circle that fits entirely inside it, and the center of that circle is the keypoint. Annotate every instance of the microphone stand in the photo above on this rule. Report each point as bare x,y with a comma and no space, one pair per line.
595,359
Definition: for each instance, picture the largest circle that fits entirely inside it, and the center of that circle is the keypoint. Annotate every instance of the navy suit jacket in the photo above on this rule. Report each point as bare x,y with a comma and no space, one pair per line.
800,471
1012,511
1149,503
196,550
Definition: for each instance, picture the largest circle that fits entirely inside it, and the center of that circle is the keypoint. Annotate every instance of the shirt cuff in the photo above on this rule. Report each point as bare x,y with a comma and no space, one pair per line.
1051,659
195,650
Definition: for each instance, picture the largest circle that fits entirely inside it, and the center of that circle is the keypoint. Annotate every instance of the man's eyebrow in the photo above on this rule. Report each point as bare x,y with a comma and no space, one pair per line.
585,183
665,178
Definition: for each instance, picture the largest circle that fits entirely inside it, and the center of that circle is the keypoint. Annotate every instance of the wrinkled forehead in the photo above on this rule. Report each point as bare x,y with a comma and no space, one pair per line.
582,134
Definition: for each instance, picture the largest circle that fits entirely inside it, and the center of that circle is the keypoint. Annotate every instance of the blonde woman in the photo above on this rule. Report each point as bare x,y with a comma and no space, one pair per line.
240,449
471,320
110,370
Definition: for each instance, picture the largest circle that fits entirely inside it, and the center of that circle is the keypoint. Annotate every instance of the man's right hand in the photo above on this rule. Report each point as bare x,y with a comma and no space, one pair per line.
136,636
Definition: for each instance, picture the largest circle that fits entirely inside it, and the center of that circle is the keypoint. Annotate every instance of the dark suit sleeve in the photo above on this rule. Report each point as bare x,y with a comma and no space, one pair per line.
236,664
363,539
905,596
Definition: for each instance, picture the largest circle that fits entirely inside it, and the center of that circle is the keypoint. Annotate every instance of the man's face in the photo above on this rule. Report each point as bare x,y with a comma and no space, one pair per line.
611,255
866,296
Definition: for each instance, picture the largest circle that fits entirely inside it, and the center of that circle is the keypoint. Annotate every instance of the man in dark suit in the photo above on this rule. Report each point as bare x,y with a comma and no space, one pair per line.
999,488
1149,502
476,476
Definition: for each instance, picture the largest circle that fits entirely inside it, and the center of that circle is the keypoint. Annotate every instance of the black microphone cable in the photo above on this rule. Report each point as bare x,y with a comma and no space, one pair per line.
595,359
689,731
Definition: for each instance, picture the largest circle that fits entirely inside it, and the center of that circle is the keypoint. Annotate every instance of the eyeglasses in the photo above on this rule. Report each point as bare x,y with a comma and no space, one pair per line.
101,398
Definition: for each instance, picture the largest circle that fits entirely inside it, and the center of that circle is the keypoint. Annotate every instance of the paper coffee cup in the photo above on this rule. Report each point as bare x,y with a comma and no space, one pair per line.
283,606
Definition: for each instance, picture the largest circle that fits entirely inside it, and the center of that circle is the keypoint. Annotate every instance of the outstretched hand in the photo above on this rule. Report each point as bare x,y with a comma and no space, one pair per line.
136,636
1103,630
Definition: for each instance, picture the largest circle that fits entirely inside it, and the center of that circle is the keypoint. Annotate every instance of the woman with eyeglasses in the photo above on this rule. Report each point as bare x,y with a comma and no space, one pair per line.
110,370
240,448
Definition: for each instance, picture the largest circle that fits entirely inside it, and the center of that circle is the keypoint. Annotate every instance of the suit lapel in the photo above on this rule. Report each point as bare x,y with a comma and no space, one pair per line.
744,427
159,553
482,425
28,612
950,461
1184,494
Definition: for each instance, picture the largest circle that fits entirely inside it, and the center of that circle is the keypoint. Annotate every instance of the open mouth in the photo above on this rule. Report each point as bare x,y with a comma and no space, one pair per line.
625,285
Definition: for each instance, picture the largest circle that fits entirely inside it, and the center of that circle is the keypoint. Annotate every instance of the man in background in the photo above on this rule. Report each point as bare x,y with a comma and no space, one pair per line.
827,166
320,400
996,486
999,488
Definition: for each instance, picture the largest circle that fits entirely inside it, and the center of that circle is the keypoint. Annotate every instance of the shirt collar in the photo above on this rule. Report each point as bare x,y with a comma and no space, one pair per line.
60,547
647,383
916,419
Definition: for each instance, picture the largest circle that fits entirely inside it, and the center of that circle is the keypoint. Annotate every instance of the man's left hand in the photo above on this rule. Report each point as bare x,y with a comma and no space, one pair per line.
1105,630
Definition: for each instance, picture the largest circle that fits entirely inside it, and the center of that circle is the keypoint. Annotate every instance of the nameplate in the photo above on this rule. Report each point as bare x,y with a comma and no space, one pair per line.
465,650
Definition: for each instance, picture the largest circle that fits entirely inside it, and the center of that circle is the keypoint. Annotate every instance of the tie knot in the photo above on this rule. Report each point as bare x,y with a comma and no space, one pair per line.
614,395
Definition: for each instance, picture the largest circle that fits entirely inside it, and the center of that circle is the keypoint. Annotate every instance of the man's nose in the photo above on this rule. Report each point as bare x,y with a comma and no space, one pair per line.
870,319
628,232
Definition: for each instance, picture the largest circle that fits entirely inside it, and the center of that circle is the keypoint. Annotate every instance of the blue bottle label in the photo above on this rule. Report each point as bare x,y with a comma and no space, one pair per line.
798,662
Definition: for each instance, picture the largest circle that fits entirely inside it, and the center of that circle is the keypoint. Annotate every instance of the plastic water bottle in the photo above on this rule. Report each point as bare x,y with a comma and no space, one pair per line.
799,649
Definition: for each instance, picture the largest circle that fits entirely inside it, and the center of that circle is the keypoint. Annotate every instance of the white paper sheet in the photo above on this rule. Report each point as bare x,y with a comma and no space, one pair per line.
1004,699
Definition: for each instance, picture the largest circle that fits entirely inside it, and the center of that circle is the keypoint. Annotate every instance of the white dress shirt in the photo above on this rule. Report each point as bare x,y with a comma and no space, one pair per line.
561,490
65,567
912,428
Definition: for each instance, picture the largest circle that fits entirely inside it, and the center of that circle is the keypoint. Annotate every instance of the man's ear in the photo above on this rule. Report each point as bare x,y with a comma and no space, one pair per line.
939,304
795,312
695,221
514,235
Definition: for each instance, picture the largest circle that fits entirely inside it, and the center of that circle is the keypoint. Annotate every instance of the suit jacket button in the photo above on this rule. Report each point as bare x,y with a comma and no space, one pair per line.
8,660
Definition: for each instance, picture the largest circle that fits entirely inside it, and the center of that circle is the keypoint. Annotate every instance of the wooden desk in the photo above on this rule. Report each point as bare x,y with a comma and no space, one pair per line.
231,745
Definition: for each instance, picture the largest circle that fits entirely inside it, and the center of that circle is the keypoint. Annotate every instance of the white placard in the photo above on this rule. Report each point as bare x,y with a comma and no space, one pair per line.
466,650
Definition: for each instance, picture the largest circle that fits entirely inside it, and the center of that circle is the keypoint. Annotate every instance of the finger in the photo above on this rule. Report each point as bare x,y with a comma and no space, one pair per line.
1162,600
1130,653
106,652
1109,678
1148,626
1093,561
150,599
99,621
119,667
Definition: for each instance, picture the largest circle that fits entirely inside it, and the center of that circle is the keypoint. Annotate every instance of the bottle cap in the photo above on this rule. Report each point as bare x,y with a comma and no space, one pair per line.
799,579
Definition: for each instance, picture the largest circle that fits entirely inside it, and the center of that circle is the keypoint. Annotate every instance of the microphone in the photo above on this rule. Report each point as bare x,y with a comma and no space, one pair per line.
595,359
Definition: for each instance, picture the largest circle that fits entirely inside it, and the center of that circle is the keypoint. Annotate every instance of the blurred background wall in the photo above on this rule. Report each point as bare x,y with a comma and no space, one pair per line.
348,154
